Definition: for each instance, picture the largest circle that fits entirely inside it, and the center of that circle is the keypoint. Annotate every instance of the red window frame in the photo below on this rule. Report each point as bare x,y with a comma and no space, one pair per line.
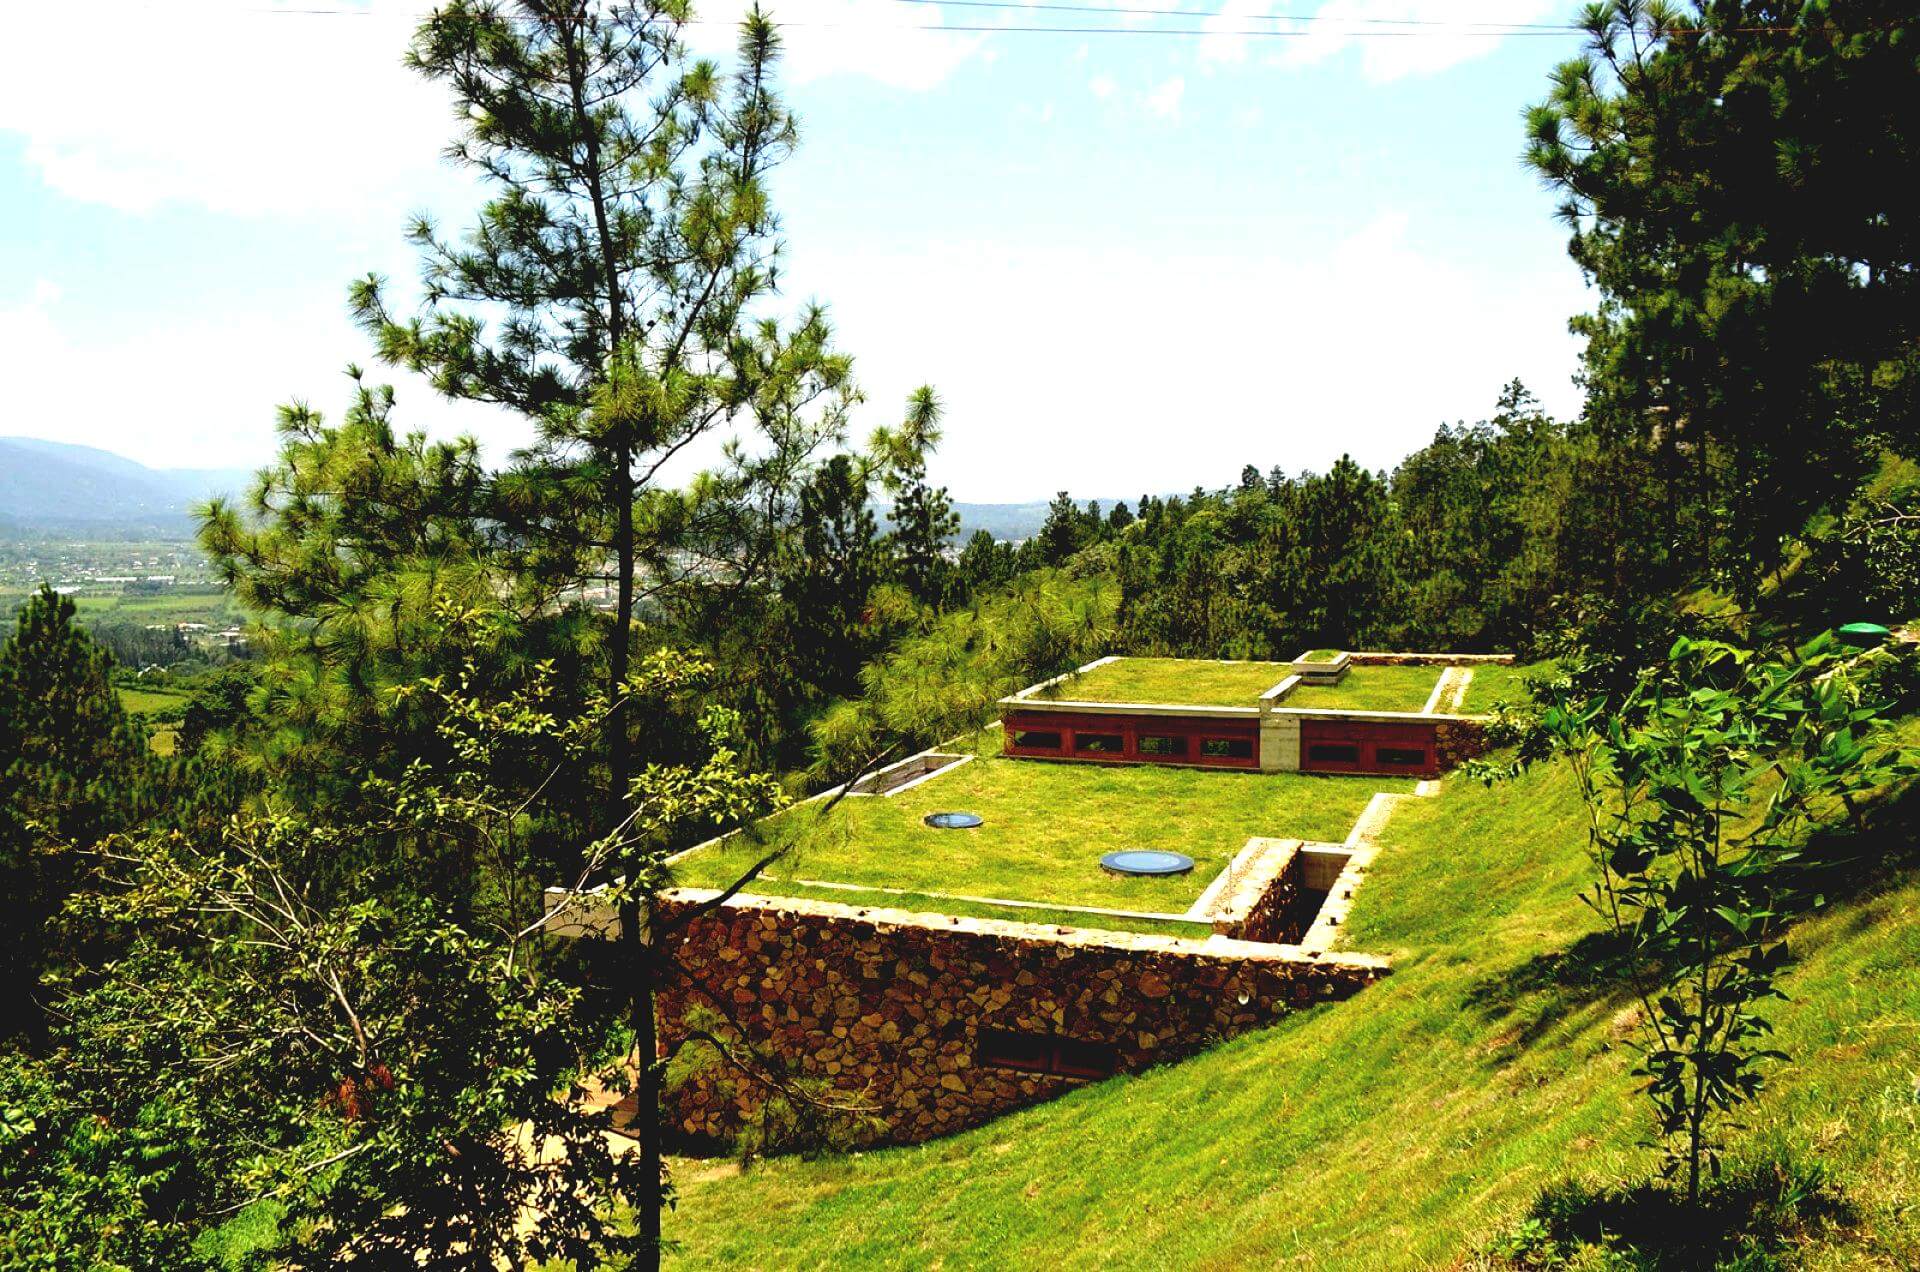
1193,733
1367,739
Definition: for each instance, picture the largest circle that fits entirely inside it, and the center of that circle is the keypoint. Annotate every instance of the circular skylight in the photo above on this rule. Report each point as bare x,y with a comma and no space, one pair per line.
952,821
1145,861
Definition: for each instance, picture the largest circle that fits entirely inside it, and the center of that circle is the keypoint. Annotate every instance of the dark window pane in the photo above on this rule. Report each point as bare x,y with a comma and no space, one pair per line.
1075,1059
1037,740
1037,1053
1402,756
1334,753
1098,743
1227,748
1151,744
1028,1052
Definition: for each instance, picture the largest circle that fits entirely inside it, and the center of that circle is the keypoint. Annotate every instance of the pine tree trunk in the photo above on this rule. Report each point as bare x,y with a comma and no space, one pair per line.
637,959
646,1119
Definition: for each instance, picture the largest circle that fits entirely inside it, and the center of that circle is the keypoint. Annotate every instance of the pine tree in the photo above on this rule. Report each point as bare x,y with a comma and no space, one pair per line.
923,518
69,772
628,241
830,573
1060,534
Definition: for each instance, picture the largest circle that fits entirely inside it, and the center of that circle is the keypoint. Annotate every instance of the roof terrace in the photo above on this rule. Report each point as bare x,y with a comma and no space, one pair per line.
1036,855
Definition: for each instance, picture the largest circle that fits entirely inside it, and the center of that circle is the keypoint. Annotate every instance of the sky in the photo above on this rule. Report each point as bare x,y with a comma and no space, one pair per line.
1128,260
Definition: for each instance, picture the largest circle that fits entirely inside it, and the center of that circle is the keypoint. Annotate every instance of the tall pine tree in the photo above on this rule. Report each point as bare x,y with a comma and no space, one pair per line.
70,762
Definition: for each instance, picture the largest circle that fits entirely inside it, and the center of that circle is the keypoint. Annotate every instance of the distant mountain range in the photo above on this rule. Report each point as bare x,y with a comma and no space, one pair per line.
56,488
59,488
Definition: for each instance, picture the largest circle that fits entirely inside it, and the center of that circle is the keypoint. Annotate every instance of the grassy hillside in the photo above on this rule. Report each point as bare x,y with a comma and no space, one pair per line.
1407,1128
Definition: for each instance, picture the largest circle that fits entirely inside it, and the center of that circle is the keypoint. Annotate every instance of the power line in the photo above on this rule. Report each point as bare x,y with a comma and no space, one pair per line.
1252,17
1428,28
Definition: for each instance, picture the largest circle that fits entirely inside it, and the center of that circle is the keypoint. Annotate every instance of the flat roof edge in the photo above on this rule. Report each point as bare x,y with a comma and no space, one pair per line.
569,920
1086,707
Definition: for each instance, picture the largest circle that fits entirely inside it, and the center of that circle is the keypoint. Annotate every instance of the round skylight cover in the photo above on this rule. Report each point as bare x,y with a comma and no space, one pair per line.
1146,861
952,821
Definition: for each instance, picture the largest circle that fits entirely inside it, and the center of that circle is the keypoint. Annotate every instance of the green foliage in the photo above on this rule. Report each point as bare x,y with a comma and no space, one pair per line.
85,1189
923,518
351,544
349,1022
1463,547
629,237
1485,506
1725,170
1704,783
827,577
73,766
400,1086
945,681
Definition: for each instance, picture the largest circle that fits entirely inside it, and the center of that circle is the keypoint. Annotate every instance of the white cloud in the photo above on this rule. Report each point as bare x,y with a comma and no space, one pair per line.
877,39
200,392
1164,101
1395,38
1226,43
1102,87
222,104
231,106
1118,372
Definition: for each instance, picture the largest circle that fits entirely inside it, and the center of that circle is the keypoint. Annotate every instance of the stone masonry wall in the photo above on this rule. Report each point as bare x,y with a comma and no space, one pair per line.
1379,659
1263,903
1458,739
891,1007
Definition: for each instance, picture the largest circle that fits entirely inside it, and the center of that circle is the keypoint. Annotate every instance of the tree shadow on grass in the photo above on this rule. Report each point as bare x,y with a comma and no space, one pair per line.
1836,866
1749,1219
1544,989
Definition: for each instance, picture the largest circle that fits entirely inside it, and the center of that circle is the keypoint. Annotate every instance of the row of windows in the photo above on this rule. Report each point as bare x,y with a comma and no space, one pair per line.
1349,753
1039,1053
1165,746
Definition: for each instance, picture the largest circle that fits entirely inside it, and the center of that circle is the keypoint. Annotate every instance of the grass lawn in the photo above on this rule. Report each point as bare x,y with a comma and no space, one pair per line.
150,701
1185,681
1406,1128
1370,689
1493,683
1047,825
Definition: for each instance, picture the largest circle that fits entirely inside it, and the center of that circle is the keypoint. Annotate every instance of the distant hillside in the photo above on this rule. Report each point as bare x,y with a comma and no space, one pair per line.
1012,521
62,488
59,488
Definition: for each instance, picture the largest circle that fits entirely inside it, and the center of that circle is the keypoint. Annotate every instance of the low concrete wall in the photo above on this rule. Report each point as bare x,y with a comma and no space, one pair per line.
1262,901
902,1011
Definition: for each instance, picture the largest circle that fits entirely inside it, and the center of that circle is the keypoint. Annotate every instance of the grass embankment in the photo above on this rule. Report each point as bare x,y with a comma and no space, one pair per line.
1403,1129
1493,683
1369,689
1181,681
1046,826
